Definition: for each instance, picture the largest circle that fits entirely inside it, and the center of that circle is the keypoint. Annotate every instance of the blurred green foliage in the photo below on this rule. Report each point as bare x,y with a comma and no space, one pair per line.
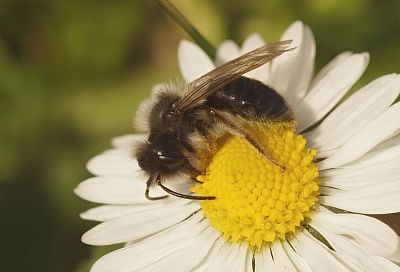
72,74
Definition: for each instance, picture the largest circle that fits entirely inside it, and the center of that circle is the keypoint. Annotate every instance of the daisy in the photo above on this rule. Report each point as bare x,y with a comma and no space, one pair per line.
342,163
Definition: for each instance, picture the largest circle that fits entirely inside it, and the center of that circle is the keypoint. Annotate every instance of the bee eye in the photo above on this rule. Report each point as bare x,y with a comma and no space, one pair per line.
170,161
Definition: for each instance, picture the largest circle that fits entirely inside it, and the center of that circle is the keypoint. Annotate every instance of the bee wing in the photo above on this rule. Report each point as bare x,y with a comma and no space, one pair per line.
201,88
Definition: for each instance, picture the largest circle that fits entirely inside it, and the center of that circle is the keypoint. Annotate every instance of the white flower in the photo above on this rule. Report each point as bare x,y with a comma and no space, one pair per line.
358,147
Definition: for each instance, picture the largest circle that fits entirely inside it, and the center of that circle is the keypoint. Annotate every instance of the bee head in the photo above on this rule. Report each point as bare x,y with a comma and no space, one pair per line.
162,157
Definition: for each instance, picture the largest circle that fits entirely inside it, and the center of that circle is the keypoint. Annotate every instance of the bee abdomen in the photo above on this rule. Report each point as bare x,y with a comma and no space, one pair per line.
250,99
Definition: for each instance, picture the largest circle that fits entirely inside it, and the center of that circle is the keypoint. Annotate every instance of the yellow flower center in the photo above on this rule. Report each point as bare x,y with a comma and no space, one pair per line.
255,200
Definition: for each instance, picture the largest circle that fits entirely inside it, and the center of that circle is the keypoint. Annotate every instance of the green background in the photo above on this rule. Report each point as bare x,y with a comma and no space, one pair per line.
73,72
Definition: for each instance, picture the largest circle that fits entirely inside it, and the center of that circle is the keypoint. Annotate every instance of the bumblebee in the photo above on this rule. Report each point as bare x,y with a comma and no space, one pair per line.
184,122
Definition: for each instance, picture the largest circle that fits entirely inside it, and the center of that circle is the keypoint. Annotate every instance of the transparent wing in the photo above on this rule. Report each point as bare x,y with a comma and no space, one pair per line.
201,88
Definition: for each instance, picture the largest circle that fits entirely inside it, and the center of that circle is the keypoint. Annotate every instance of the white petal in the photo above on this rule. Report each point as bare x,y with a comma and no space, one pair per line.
228,50
249,261
387,265
140,255
233,259
108,212
260,73
356,111
281,261
126,141
327,92
282,64
137,225
112,190
185,258
297,260
220,258
394,141
193,62
281,67
383,127
381,165
254,41
327,68
326,190
114,163
373,235
376,199
236,261
291,73
371,92
263,261
219,248
347,250
396,255
368,177
322,154
299,81
306,62
382,154
318,256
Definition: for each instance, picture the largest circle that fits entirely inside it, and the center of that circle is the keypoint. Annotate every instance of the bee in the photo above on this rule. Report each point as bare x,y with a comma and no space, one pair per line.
185,121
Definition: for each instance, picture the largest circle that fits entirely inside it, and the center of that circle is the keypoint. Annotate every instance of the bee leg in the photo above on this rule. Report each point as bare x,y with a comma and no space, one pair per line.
195,180
204,133
194,169
208,141
177,194
188,151
147,193
243,132
211,147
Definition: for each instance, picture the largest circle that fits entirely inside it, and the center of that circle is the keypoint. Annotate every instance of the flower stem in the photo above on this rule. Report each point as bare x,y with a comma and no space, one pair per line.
179,18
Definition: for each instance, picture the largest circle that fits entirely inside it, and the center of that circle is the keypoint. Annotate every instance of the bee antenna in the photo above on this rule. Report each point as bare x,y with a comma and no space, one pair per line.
149,182
174,193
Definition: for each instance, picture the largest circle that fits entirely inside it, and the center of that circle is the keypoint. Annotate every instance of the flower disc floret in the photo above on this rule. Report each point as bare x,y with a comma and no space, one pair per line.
257,201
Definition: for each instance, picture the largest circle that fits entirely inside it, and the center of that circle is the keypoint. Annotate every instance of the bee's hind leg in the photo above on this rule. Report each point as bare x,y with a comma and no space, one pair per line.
243,132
